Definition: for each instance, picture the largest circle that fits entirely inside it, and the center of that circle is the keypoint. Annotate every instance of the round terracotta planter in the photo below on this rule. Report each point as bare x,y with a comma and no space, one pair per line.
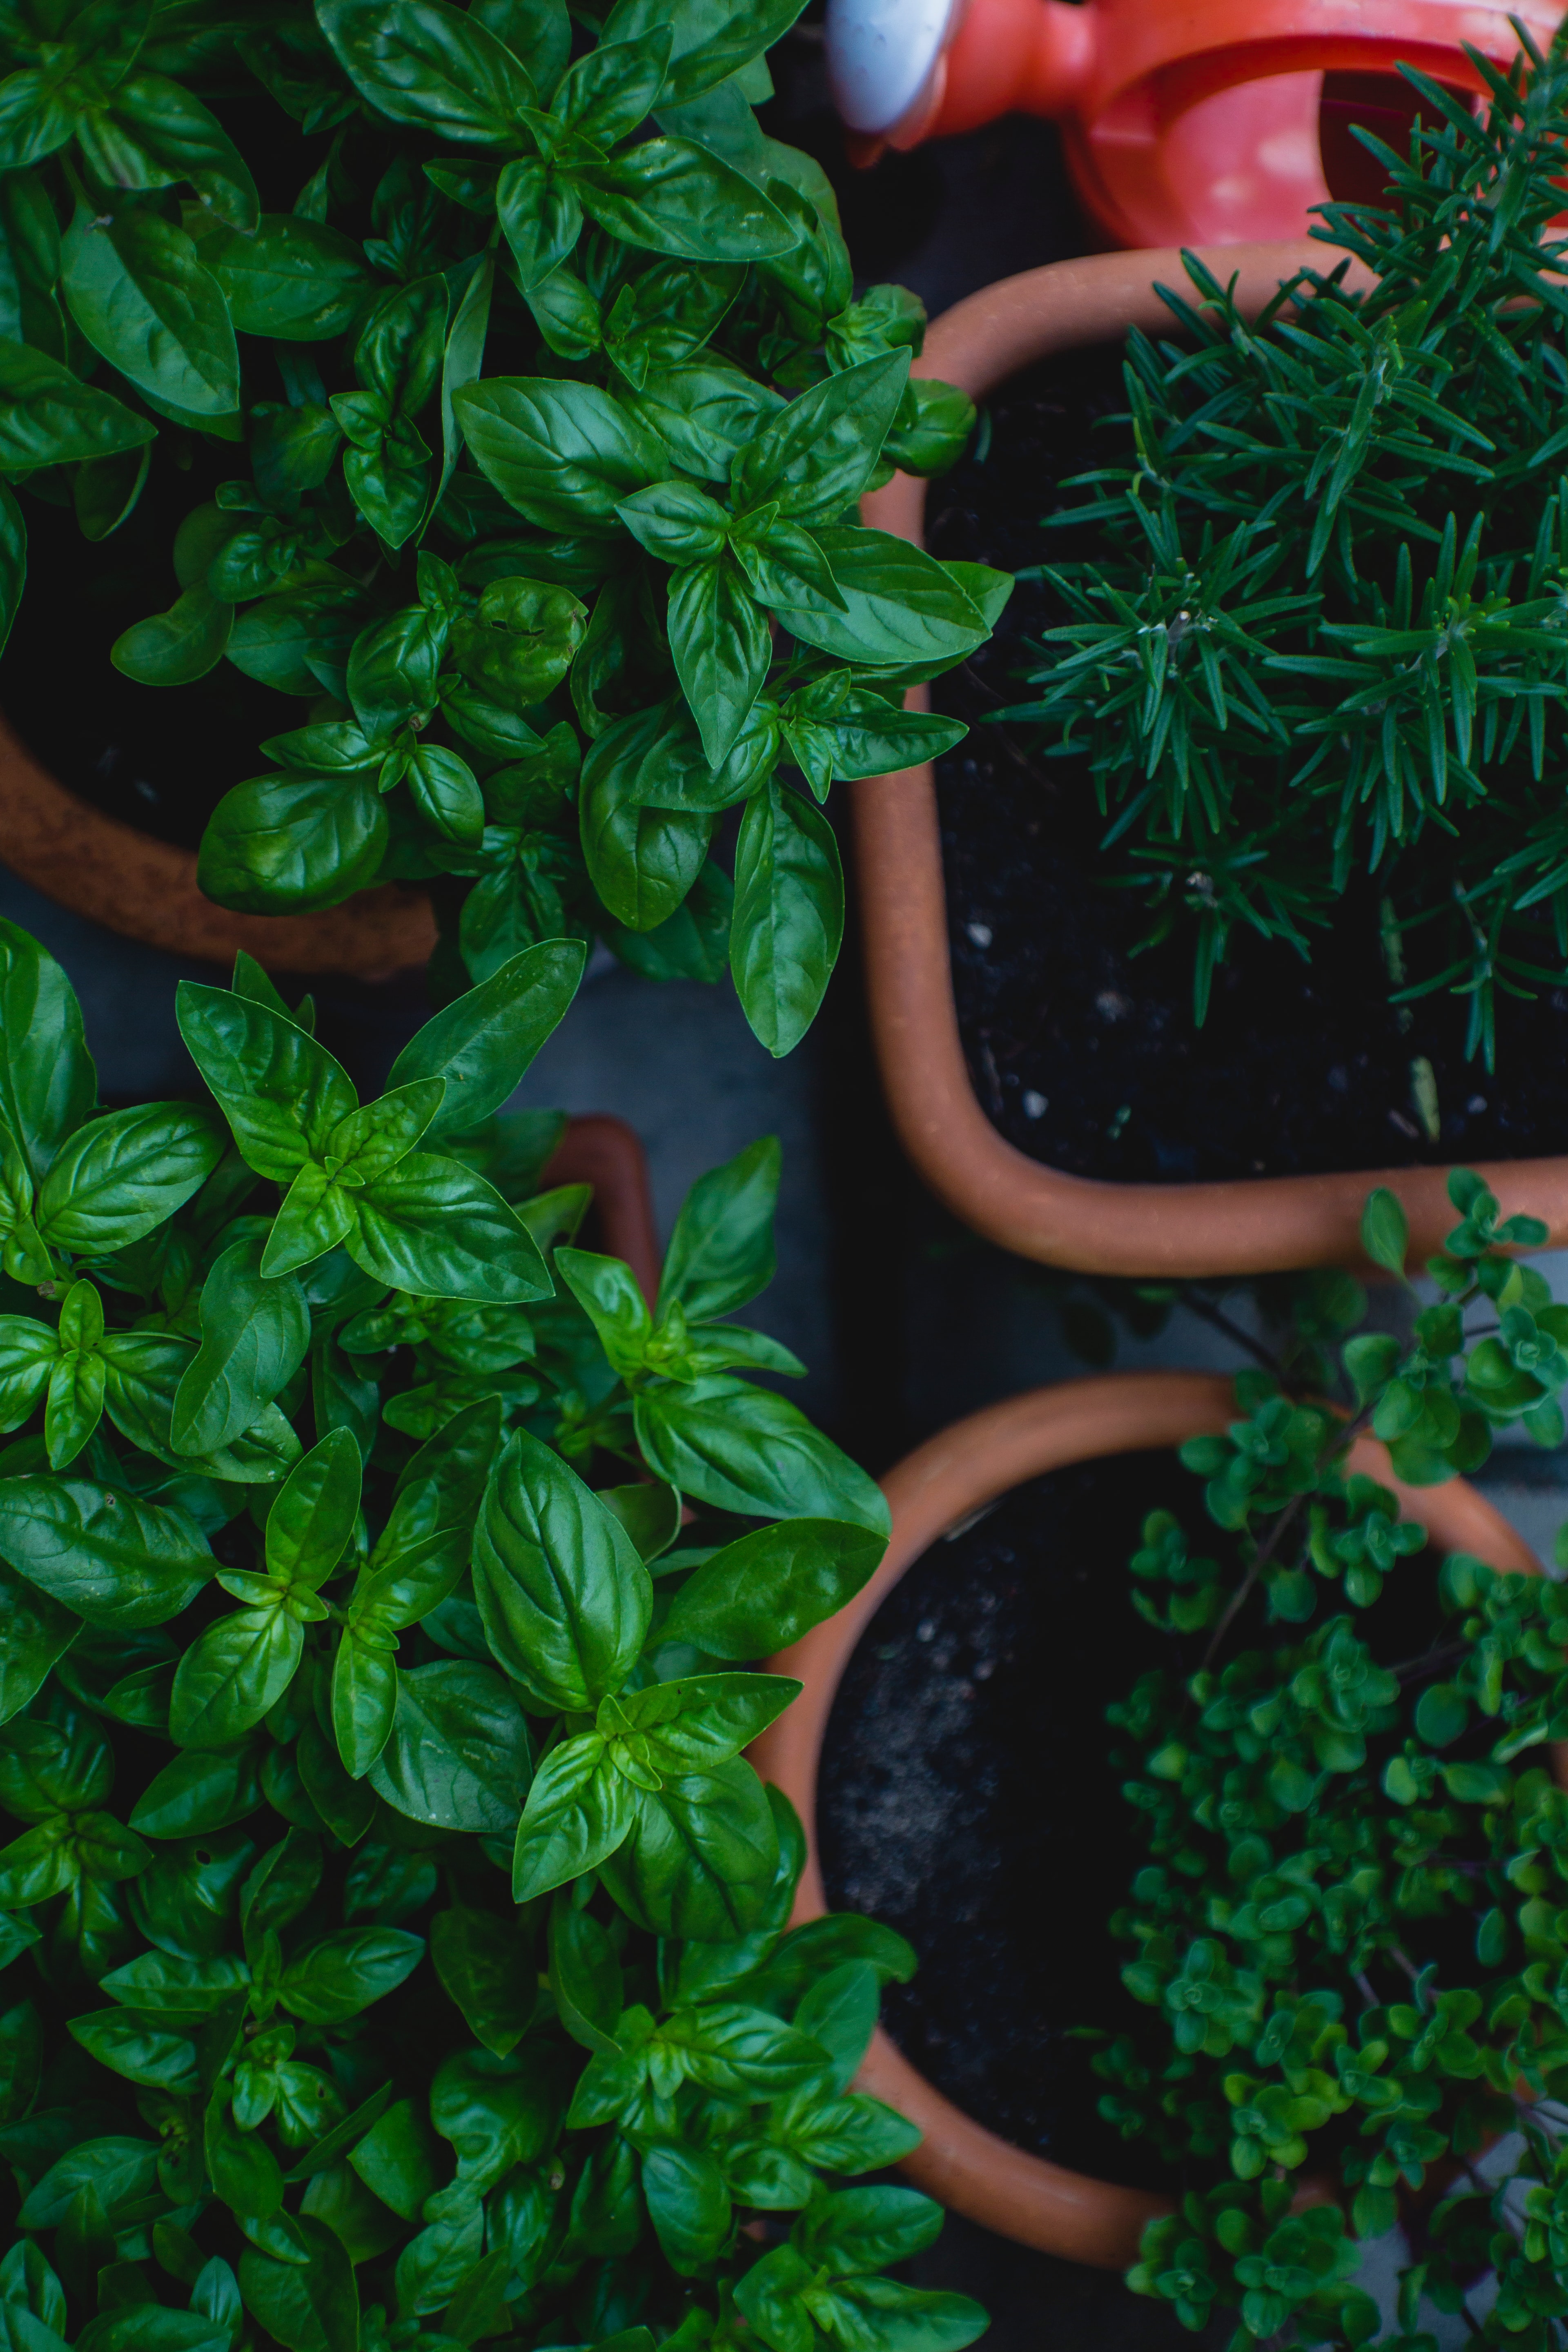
146,889
606,1153
1176,1231
1021,2196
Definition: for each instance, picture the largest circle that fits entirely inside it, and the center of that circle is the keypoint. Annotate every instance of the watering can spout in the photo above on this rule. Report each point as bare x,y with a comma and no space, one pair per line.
904,70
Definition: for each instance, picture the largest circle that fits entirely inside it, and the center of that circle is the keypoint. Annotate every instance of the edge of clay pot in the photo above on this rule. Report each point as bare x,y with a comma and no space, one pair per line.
146,889
1249,1226
934,1489
604,1151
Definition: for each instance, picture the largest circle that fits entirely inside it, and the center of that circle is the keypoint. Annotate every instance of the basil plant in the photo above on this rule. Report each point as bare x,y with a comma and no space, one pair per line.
532,435
395,1941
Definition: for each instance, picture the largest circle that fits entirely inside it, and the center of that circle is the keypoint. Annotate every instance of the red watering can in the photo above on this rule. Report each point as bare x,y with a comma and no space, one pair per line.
1185,122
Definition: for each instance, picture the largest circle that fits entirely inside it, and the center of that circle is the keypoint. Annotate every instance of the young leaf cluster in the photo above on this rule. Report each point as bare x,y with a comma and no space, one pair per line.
1348,1932
393,1937
535,428
1320,642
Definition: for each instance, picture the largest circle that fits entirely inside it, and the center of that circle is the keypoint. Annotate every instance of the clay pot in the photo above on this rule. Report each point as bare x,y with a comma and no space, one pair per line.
146,889
1021,2196
1174,1230
606,1153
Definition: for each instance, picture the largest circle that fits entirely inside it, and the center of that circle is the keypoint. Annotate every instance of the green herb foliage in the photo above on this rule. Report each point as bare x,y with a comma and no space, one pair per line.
549,404
394,1938
1346,1933
1323,635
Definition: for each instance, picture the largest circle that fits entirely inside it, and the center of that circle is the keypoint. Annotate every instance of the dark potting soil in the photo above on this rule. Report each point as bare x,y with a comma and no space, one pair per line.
158,758
1087,1056
968,1799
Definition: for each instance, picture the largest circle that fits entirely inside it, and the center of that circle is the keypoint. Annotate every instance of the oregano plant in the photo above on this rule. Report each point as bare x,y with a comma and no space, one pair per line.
525,420
395,1941
1348,1933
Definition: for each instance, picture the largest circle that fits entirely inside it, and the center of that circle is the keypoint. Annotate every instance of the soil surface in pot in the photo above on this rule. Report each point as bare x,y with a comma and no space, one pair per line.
158,758
1085,1054
968,1799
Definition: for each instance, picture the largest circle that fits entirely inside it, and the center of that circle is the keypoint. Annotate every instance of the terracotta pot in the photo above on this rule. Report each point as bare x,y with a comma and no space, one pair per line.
1018,2195
606,1153
1168,1230
146,889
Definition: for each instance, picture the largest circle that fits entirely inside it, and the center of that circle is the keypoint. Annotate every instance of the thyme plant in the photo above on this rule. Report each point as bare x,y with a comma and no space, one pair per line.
1322,642
1346,1933
393,1940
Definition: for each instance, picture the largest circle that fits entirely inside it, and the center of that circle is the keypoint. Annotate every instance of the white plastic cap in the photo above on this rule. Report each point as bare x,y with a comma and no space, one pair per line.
882,55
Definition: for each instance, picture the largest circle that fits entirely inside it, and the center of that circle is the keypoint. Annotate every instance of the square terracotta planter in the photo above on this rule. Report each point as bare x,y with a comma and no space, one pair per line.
1172,1231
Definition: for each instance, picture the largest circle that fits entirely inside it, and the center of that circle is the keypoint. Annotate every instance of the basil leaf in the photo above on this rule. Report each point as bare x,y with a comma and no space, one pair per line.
670,196
722,647
579,1809
311,2307
47,1082
688,2203
815,460
365,1699
50,417
313,1513
720,1252
564,455
691,944
119,1176
701,1858
200,1792
297,281
111,1557
458,1757
565,1597
744,1449
483,1043
173,648
901,605
281,1092
521,641
232,1674
137,292
701,1720
154,132
28,1354
348,1971
300,639
541,219
607,1290
424,1548
34,1632
642,861
762,1593
255,1335
140,2049
788,921
432,1225
485,1968
120,2170
428,65
712,41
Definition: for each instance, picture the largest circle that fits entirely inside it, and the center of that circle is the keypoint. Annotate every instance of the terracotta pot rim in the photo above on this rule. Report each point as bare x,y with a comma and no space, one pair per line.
146,889
933,1491
1095,1226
